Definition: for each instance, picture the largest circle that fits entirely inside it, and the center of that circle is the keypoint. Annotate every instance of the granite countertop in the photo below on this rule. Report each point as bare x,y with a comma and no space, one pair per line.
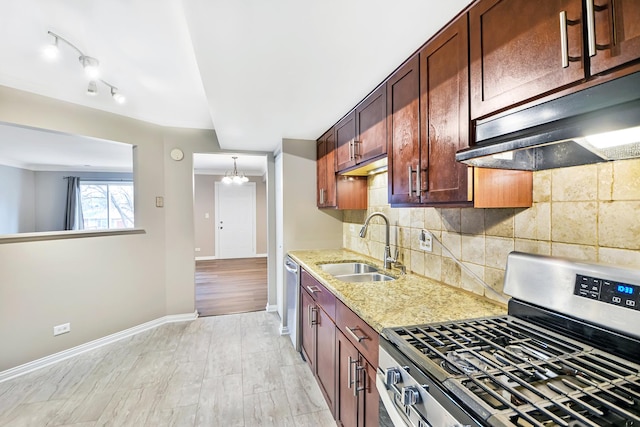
409,300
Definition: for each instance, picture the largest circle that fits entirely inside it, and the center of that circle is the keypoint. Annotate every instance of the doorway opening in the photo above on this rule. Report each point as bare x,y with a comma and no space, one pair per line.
230,234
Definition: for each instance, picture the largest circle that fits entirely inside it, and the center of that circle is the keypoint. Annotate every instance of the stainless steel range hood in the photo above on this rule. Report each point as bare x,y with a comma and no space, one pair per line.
569,131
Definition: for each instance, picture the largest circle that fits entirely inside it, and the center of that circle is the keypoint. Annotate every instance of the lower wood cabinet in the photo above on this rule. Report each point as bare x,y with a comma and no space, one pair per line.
342,352
356,395
318,331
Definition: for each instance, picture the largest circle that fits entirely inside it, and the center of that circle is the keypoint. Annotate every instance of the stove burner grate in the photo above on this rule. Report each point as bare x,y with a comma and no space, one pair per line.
518,374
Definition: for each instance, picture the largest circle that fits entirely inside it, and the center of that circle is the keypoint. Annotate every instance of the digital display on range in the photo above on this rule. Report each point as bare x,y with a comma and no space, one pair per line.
608,291
625,289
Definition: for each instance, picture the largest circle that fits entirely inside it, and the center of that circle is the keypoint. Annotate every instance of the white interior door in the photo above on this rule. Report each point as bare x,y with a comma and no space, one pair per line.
235,220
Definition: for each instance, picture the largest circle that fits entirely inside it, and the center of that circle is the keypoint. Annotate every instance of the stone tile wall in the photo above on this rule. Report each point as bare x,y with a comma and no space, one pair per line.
589,213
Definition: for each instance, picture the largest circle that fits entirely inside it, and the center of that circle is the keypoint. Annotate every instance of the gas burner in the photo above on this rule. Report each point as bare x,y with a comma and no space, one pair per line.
460,363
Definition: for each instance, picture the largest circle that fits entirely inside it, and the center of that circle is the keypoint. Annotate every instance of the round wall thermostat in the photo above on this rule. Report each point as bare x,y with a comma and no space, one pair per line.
177,154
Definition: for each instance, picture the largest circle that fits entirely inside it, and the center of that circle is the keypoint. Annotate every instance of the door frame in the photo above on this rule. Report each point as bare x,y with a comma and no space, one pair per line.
217,187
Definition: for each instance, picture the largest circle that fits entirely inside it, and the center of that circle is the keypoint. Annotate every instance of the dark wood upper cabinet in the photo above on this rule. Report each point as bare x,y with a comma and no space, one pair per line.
362,134
336,191
616,34
403,132
444,116
326,194
371,126
345,142
516,51
522,50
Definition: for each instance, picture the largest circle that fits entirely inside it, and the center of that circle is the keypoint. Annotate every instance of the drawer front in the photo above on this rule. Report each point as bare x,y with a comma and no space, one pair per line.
322,296
361,335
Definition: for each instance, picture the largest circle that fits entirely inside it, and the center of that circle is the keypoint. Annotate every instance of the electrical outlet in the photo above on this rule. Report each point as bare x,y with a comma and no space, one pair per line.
352,228
197,249
426,241
61,329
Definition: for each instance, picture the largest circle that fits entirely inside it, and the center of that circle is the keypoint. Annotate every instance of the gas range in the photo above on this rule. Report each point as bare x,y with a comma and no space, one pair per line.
567,354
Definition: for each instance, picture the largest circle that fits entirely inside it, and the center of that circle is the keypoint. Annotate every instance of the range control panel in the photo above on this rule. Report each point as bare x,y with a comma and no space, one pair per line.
609,291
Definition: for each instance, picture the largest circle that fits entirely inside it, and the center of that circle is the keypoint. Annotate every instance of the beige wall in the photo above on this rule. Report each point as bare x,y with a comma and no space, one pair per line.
301,225
204,202
102,285
589,213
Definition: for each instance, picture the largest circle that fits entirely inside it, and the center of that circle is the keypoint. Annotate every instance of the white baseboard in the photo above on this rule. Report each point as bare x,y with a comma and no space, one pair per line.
271,308
209,258
92,345
284,330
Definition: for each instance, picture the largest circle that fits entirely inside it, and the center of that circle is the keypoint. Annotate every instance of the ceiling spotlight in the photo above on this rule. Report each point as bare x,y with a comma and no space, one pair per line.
93,88
120,98
51,50
90,66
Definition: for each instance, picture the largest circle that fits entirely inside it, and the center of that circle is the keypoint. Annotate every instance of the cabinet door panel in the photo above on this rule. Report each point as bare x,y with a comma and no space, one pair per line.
347,402
516,51
326,175
403,126
325,356
369,398
372,126
307,330
445,116
321,166
345,136
617,33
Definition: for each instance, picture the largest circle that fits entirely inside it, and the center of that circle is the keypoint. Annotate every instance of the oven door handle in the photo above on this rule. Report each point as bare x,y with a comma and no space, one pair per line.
386,395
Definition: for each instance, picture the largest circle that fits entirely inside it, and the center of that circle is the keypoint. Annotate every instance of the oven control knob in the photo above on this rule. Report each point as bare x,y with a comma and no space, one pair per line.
410,395
393,376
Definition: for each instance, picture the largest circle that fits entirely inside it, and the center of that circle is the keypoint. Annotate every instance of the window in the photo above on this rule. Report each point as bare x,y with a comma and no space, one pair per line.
107,205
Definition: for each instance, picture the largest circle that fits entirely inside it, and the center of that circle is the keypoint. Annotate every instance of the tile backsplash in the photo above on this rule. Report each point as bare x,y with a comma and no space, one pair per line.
589,213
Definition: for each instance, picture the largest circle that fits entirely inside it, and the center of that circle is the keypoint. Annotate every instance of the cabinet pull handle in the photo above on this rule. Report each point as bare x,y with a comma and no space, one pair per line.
351,331
418,184
313,318
409,172
564,43
349,374
591,28
351,150
313,289
309,319
356,149
359,376
322,196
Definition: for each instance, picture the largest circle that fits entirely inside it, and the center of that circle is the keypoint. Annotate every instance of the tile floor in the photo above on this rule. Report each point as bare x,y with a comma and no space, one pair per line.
227,371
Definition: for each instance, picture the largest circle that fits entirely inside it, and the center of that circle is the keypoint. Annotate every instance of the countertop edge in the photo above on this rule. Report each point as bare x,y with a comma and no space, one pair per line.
302,257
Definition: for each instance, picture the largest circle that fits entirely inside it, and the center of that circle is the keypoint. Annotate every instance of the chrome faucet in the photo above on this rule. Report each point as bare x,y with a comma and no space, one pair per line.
388,259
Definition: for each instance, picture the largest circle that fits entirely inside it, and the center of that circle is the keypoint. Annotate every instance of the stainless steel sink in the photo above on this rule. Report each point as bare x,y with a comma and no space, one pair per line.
342,268
365,277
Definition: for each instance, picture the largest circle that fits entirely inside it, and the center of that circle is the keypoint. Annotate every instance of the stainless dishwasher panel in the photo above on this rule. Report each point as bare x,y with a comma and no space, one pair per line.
292,283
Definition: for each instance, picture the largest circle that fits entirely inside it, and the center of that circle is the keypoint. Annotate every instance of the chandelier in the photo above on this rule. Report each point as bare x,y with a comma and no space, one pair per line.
234,177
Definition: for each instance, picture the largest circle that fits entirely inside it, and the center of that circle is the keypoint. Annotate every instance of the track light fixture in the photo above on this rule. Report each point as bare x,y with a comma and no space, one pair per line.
90,65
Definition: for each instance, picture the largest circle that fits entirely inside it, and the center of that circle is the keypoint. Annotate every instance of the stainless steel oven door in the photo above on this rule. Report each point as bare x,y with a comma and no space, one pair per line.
392,411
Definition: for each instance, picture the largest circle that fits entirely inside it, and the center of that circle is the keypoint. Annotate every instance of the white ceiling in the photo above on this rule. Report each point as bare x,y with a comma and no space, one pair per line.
40,150
258,71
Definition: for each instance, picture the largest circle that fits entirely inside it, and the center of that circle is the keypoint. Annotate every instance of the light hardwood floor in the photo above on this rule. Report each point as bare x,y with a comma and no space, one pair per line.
227,286
216,371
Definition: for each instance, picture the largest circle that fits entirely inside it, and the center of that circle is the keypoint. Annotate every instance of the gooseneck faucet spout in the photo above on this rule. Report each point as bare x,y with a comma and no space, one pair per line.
388,260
